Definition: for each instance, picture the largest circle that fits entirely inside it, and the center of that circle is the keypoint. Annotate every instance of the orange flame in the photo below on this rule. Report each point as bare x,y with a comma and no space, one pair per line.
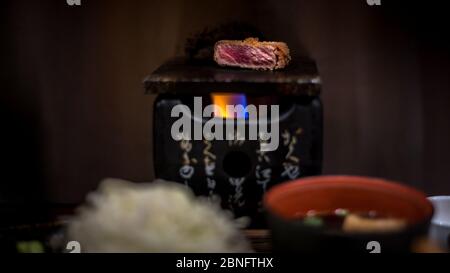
221,100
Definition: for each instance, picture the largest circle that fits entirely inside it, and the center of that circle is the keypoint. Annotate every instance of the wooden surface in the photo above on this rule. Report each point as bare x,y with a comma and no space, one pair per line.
73,110
260,240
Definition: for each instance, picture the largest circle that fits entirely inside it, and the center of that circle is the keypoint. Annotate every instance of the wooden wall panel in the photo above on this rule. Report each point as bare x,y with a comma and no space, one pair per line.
81,70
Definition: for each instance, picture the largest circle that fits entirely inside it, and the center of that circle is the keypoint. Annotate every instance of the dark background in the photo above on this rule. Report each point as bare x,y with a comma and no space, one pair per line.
73,109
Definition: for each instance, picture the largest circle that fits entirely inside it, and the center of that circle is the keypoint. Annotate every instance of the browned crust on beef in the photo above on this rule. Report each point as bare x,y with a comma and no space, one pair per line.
281,50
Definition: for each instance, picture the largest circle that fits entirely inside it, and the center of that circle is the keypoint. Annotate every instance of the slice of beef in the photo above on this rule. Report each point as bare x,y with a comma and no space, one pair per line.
252,54
200,46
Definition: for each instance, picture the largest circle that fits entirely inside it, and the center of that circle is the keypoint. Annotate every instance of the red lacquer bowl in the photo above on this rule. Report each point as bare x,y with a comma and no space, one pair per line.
287,202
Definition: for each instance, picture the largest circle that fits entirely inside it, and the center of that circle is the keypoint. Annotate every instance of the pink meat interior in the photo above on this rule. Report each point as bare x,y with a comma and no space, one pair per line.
245,55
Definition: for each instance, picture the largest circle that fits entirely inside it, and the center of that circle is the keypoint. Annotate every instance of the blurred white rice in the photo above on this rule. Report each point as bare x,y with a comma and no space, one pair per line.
153,217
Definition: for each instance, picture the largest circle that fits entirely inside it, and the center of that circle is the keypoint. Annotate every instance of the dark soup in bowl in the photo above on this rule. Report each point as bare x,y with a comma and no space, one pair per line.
345,213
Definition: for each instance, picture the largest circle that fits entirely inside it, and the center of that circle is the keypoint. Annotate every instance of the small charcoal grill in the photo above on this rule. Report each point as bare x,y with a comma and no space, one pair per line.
238,172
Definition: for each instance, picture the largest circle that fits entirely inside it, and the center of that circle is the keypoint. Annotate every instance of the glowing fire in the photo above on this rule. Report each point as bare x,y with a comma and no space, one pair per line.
224,99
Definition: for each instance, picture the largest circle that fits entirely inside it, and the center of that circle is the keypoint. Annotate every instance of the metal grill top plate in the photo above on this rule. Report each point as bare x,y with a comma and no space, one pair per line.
183,77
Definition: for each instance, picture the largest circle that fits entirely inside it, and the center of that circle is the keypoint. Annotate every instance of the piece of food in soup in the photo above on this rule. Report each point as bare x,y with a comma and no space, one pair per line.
360,224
